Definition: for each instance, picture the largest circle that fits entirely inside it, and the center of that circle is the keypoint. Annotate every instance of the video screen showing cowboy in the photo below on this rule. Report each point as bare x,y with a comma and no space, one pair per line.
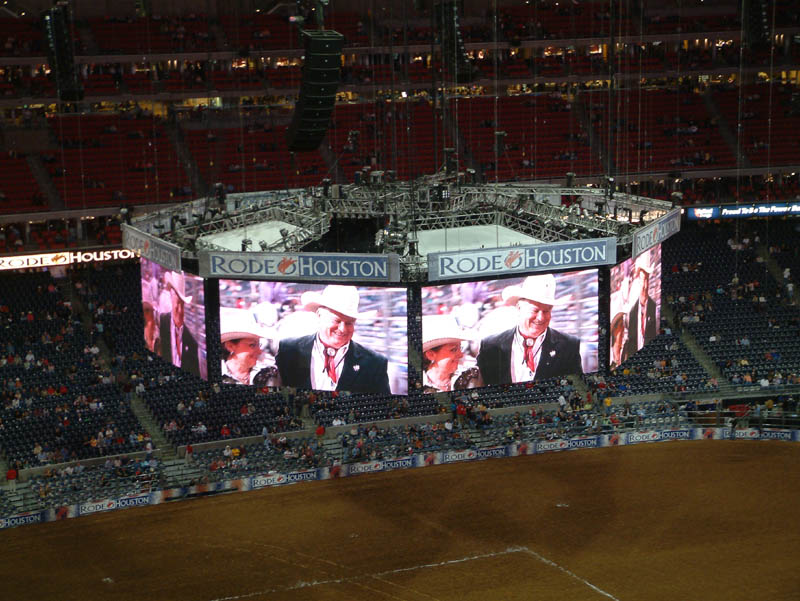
512,330
635,306
173,305
318,337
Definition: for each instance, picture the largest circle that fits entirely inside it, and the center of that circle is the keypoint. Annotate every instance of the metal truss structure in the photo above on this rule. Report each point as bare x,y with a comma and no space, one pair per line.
545,212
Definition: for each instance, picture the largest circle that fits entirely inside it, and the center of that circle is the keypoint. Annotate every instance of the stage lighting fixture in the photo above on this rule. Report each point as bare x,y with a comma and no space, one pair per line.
246,242
263,245
219,193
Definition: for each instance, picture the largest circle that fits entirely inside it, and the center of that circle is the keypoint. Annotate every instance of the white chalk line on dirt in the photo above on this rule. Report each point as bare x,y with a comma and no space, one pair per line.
302,584
569,573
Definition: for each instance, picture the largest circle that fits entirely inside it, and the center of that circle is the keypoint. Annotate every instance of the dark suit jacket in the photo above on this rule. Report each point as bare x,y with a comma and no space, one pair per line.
650,325
560,356
364,370
189,359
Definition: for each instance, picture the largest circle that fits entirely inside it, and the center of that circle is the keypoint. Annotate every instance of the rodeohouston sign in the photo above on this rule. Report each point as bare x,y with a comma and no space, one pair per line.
60,259
572,254
151,248
658,231
300,266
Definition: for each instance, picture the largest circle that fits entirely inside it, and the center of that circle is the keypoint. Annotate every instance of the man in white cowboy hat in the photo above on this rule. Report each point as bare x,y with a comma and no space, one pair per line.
329,359
441,356
642,326
241,350
531,350
177,343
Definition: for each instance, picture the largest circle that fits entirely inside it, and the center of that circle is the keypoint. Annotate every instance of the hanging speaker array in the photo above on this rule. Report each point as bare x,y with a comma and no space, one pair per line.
321,77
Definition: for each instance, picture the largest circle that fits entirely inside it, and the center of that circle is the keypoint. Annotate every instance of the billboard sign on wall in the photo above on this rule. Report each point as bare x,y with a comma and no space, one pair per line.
151,248
300,266
572,254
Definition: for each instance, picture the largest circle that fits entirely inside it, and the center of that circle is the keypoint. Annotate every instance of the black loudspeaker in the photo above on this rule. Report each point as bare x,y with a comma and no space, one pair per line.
321,75
60,56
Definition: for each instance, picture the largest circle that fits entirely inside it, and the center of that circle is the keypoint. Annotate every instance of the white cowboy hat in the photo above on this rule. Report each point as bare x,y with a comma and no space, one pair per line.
238,323
537,288
342,299
176,282
441,329
643,263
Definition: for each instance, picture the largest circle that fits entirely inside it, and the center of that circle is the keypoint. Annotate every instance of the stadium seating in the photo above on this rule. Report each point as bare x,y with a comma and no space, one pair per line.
113,159
253,158
659,130
168,34
764,111
733,307
118,477
19,190
544,137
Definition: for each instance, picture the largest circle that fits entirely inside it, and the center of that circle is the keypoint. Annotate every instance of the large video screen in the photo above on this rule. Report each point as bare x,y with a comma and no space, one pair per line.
511,330
635,304
173,303
312,336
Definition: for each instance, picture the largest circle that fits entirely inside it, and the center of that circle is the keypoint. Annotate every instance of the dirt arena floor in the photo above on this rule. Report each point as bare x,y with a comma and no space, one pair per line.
673,521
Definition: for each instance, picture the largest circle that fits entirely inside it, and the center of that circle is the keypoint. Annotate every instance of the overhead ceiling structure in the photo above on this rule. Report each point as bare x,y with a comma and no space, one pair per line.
536,212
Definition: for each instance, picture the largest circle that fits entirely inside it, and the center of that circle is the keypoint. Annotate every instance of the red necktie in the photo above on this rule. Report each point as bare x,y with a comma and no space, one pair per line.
178,343
643,319
330,363
530,354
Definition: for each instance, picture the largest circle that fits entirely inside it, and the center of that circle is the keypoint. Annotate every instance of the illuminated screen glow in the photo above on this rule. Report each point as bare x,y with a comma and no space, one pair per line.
279,333
635,307
476,333
173,303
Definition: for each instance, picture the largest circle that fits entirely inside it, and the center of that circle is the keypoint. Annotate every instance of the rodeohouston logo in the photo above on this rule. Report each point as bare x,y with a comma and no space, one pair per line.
393,464
634,437
20,520
301,476
364,468
262,481
776,434
297,266
452,456
64,258
134,501
574,254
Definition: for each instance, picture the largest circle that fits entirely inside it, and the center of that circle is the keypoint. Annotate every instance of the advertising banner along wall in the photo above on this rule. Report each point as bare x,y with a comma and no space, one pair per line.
337,470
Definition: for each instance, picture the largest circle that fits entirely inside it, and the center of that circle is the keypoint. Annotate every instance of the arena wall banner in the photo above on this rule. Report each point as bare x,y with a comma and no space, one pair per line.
65,257
743,211
300,266
572,254
514,449
658,231
159,251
